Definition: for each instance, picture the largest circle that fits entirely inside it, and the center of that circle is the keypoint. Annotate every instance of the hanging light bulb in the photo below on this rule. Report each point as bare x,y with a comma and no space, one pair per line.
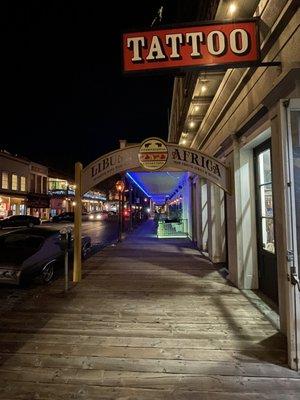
232,8
203,88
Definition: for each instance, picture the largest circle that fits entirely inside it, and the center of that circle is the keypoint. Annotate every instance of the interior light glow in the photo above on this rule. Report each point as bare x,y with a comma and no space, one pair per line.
196,108
192,124
203,88
137,184
184,141
232,8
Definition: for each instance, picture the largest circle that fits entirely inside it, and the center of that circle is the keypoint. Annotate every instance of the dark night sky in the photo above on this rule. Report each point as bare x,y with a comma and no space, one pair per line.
64,97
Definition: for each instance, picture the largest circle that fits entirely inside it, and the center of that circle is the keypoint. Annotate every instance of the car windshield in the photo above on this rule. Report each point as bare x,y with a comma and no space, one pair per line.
30,242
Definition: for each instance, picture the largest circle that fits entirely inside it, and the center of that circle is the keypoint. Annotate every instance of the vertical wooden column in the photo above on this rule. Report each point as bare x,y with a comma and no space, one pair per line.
77,223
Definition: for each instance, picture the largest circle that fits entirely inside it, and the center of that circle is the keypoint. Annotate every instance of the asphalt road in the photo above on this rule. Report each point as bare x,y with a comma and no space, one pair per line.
101,232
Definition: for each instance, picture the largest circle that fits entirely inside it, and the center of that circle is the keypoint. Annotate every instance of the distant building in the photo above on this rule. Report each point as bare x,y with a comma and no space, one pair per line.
38,200
14,174
61,189
23,187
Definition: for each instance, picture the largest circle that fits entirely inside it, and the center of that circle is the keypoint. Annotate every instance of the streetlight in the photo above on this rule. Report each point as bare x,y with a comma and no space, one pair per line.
120,186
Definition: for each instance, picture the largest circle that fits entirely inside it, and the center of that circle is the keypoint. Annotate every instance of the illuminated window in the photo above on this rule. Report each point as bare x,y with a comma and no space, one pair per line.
14,182
4,183
23,184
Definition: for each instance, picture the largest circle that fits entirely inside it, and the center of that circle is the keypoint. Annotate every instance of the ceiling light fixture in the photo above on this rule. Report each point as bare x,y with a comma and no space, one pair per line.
232,8
192,124
184,141
203,88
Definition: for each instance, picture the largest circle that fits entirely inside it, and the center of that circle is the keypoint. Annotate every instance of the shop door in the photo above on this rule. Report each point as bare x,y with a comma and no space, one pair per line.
292,117
266,251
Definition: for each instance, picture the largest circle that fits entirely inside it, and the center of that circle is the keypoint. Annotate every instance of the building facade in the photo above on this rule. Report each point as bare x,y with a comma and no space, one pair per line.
61,190
38,200
249,118
14,173
23,187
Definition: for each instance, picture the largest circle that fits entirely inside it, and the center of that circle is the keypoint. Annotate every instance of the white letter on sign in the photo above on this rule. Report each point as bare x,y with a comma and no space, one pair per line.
239,37
137,41
155,48
176,40
194,38
216,48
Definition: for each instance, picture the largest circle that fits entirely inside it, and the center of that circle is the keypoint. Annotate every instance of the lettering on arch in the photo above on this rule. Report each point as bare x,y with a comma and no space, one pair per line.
146,157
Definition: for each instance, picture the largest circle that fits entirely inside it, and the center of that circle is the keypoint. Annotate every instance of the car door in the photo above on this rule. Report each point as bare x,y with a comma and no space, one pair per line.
11,222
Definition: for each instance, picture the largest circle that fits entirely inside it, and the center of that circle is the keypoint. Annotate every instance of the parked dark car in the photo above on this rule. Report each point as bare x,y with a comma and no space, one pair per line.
64,217
34,252
19,220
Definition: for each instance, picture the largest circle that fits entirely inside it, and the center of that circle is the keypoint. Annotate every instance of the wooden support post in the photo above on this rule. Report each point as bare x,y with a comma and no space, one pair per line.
77,223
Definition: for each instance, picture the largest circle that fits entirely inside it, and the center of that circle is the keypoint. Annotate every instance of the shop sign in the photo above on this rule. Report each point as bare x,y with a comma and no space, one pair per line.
210,44
198,163
109,165
153,154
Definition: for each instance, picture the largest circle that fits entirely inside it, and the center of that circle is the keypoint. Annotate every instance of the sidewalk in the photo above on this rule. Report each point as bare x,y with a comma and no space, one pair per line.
151,319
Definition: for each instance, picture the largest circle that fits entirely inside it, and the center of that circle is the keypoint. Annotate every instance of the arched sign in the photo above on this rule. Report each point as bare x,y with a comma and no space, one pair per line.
151,155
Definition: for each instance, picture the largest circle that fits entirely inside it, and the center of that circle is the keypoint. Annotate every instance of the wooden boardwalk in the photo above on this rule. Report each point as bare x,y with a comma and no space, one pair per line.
151,319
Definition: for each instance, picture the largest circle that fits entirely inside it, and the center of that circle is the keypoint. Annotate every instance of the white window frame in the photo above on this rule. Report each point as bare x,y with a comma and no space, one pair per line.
12,182
4,173
23,183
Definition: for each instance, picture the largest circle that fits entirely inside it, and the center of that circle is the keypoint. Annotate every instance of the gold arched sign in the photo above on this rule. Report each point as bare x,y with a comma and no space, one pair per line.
152,154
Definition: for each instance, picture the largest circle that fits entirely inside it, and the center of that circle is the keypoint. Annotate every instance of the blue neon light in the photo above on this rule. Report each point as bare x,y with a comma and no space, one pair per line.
137,184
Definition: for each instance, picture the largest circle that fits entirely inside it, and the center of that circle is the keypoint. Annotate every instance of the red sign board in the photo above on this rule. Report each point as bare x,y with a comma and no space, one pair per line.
211,44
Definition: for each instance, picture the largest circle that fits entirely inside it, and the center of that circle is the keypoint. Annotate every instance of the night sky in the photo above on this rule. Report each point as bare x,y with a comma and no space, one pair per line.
64,96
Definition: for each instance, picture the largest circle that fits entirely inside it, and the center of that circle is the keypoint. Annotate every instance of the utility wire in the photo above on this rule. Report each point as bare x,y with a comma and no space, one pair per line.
158,16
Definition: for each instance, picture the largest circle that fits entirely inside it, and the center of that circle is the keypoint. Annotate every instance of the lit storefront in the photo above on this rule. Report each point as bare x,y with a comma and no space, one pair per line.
249,118
14,172
12,206
62,194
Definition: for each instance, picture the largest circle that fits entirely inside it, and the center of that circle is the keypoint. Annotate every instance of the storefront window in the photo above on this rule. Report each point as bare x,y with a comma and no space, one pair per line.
57,184
4,182
14,182
295,129
266,200
4,206
23,183
22,209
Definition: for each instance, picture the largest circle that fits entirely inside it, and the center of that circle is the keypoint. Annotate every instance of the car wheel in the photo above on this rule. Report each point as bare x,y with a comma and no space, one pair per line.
47,272
30,225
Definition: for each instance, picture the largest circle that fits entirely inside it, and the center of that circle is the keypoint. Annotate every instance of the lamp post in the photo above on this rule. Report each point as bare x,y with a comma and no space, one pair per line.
120,186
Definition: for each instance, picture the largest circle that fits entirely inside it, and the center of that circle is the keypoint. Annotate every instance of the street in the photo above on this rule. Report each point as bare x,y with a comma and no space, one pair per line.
101,232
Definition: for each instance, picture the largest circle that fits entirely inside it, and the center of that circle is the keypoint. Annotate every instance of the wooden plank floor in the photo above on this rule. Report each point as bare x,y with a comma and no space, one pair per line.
151,319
